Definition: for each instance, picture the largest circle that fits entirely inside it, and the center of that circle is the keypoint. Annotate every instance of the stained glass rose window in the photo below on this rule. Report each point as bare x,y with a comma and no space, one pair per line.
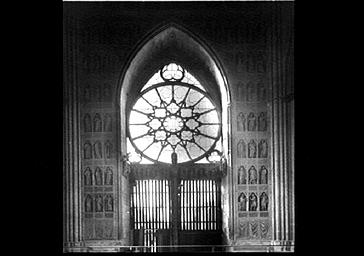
174,114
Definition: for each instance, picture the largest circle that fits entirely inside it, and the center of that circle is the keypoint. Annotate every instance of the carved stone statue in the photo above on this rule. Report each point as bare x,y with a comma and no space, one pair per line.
87,150
241,149
263,177
88,203
87,93
97,123
97,97
262,122
252,149
109,203
252,175
107,123
108,176
264,202
242,200
241,122
250,63
262,92
97,150
250,92
252,122
253,202
88,177
107,92
241,92
263,149
87,125
174,158
241,175
239,58
98,203
98,176
108,149
261,62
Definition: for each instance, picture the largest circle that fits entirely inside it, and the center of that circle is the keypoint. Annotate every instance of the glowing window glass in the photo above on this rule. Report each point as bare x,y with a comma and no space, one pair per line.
173,113
188,78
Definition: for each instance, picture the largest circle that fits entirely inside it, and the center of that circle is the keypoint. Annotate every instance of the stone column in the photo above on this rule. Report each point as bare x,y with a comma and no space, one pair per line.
72,217
282,130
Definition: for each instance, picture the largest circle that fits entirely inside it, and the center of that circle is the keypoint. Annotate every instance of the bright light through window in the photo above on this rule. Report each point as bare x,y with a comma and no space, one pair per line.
175,115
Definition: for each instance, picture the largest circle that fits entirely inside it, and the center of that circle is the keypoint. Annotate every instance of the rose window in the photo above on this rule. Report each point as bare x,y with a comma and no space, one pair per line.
174,114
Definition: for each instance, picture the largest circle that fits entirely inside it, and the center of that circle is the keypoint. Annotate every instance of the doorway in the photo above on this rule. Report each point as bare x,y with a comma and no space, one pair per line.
176,207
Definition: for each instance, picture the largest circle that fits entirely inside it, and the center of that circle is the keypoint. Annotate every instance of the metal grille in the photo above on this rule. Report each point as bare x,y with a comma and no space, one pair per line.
198,208
150,206
199,205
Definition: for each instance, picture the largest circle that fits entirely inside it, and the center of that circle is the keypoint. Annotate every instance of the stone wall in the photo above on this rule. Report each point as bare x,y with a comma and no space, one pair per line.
254,44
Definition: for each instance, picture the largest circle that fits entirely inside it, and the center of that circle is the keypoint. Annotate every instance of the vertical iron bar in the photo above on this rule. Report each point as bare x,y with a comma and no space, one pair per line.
204,204
213,205
218,195
198,182
209,203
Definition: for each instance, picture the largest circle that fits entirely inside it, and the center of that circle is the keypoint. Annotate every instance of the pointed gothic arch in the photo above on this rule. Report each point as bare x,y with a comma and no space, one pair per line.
165,44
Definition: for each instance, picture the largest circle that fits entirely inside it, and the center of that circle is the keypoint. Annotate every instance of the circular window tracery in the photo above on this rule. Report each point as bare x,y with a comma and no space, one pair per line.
174,116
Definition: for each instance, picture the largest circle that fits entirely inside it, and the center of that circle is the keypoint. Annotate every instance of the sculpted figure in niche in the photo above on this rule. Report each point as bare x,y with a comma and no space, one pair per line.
239,61
98,150
107,123
264,202
252,122
87,93
241,122
107,92
108,176
88,177
241,149
252,175
88,203
262,92
250,92
264,227
87,150
98,176
253,228
250,63
253,202
260,62
109,203
243,226
242,200
263,149
97,123
263,177
241,175
87,125
262,122
108,149
241,92
252,149
98,203
97,93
